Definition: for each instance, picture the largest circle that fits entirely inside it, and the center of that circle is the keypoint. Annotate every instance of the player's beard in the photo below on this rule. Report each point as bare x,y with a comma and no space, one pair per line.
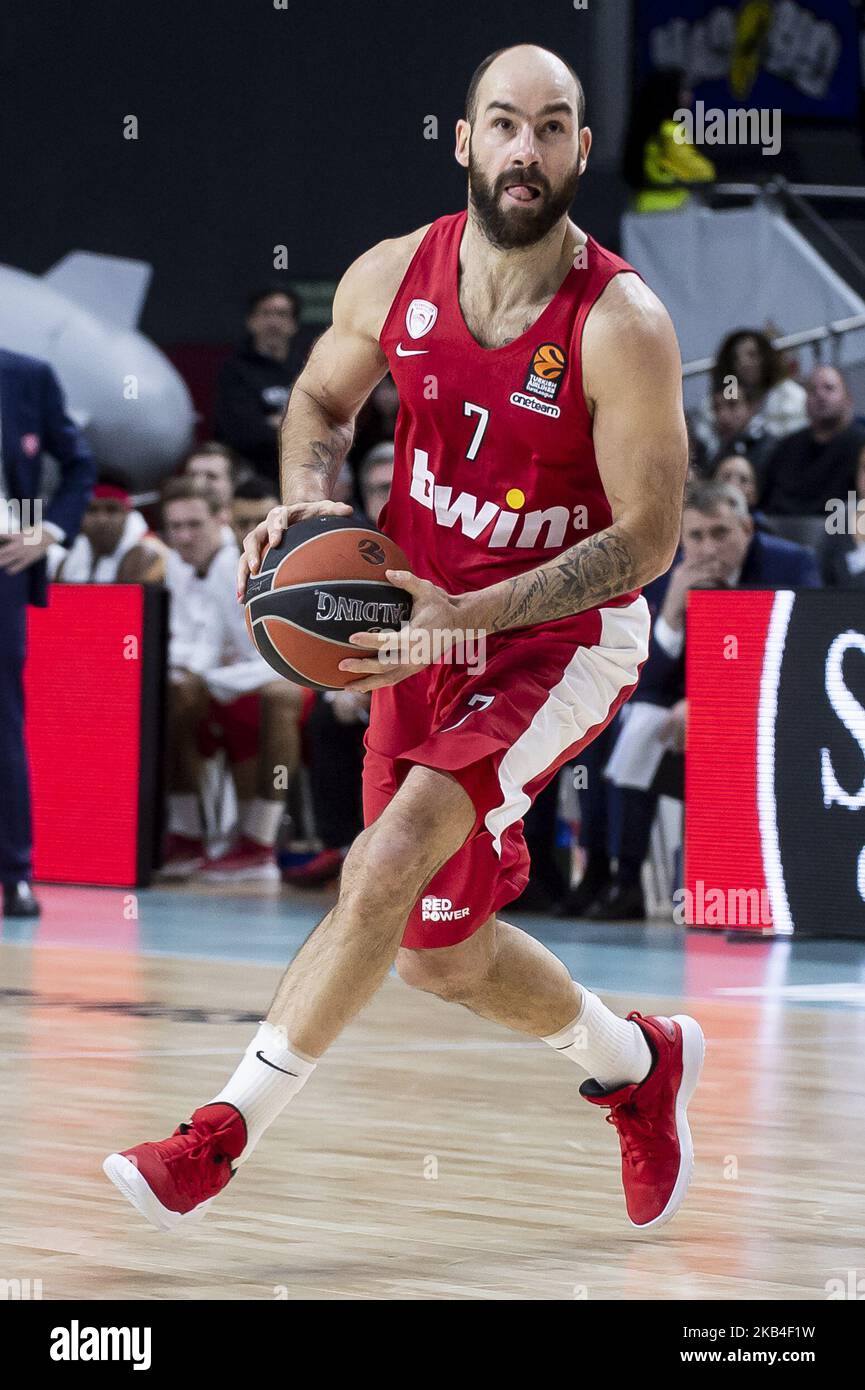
510,227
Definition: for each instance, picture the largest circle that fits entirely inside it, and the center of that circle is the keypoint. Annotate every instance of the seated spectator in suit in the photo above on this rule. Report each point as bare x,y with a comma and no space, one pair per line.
337,724
115,544
747,360
254,385
720,549
842,554
818,463
253,499
738,471
221,694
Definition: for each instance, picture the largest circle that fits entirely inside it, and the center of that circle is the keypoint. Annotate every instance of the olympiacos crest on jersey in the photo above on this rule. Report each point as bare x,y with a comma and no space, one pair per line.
420,317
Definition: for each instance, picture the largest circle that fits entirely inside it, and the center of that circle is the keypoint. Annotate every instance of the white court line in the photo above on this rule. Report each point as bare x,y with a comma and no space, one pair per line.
121,1053
852,992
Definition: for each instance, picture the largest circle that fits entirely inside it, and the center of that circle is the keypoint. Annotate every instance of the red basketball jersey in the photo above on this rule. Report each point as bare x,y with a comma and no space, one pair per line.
495,470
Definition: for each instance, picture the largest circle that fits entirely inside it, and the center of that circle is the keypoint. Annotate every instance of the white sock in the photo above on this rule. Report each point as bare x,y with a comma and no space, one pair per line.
259,820
184,815
613,1050
261,1089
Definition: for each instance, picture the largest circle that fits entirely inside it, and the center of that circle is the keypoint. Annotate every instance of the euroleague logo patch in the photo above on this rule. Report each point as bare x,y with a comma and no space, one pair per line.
546,371
371,552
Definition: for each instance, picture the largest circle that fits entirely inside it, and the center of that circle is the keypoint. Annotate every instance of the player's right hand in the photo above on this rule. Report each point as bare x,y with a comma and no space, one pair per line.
271,530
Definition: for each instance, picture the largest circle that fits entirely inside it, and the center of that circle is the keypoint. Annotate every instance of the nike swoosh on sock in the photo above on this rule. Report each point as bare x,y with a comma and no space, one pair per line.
261,1057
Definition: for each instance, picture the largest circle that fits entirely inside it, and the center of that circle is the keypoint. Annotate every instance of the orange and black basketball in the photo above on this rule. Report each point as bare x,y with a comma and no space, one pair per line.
324,581
549,362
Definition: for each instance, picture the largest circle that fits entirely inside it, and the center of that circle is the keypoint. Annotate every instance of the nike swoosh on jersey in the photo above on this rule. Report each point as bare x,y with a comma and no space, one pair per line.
409,352
261,1057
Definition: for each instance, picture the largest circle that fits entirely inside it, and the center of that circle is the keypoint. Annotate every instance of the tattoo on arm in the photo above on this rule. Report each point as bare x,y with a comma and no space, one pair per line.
599,568
317,470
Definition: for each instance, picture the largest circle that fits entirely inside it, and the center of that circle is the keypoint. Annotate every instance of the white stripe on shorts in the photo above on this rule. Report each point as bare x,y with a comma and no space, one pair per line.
590,683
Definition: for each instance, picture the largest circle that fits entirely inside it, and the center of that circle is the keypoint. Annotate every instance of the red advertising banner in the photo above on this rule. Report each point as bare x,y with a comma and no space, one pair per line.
84,690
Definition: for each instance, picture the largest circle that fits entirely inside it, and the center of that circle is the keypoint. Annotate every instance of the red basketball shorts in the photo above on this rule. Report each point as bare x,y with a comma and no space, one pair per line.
503,733
236,727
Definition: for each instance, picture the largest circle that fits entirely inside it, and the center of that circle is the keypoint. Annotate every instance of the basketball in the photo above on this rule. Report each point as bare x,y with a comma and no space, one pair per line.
323,582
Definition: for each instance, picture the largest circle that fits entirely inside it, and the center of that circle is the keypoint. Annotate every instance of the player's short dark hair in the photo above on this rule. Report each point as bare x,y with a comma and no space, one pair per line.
189,489
254,488
472,93
253,300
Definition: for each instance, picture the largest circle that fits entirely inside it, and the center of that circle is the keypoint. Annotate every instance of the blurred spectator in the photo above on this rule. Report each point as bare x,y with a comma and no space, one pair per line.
547,887
842,556
221,694
375,477
214,463
343,488
748,366
33,421
720,549
377,419
254,385
253,499
737,433
697,452
818,463
739,471
654,161
115,545
337,724
600,810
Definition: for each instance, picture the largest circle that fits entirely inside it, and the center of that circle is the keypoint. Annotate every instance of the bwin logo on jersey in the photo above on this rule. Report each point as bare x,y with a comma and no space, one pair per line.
542,529
357,610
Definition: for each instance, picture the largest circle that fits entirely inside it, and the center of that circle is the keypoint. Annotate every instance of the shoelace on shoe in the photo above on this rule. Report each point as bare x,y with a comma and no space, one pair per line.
177,1148
637,1148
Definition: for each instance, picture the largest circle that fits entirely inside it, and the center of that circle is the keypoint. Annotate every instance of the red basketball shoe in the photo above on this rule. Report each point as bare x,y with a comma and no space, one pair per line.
652,1121
175,1180
183,856
248,860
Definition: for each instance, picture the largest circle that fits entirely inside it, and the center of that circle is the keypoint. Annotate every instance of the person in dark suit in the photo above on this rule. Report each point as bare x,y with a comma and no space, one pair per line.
842,553
33,420
721,548
809,468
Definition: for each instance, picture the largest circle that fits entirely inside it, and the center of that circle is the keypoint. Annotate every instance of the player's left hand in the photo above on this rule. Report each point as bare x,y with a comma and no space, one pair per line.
397,655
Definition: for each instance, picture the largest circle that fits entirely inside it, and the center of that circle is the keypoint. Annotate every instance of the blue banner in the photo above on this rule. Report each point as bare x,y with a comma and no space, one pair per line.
800,56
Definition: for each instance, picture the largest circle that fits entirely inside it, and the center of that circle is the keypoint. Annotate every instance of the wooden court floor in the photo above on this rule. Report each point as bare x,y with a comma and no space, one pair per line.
432,1156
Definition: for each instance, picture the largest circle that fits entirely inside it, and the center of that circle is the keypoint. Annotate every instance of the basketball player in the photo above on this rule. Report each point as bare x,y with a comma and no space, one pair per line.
540,461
